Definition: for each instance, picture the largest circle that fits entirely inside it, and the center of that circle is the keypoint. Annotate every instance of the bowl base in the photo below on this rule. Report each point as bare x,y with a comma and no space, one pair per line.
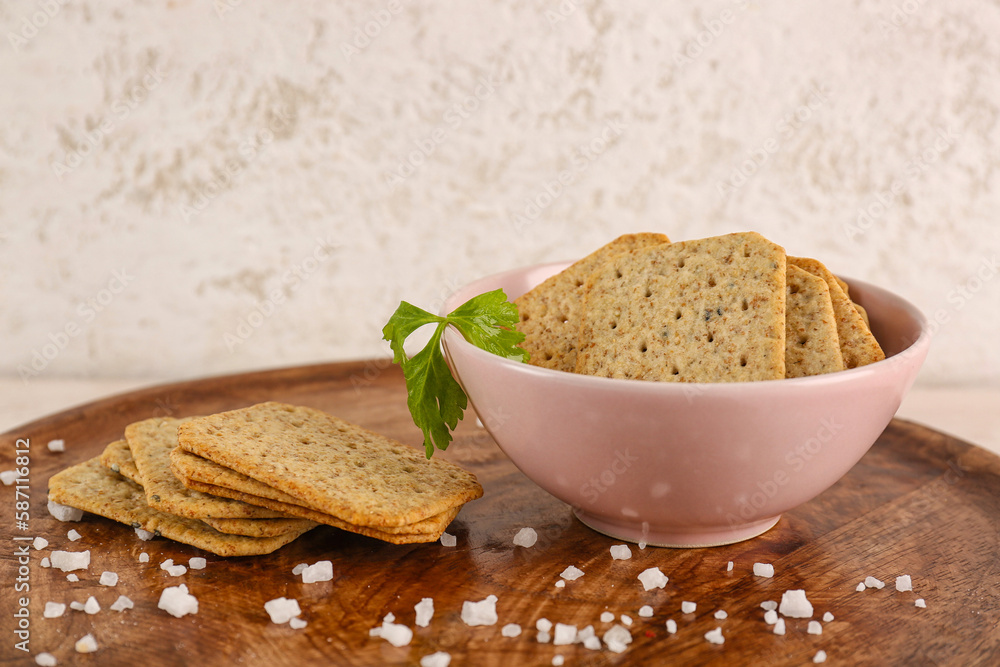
679,538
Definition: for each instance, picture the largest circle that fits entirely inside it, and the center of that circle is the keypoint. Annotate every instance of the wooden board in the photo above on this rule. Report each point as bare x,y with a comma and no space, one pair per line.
920,503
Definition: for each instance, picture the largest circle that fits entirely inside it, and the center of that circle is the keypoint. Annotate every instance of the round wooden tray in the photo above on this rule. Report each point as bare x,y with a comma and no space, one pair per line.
919,503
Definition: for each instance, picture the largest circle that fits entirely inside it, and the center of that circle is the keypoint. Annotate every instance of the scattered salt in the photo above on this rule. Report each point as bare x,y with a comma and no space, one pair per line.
721,615
625,619
57,445
588,637
176,601
763,570
197,563
557,660
176,570
820,656
54,610
121,604
645,611
510,630
872,582
483,612
45,562
40,543
770,617
779,627
688,607
67,561
642,545
620,552
76,606
729,566
814,628
671,626
45,660
561,584
919,602
448,540
73,535
72,577
394,633
64,512
439,659
297,570
571,573
8,477
526,537
144,535
860,587
564,634
617,639
904,583
144,557
108,579
768,605
827,617
318,571
543,625
91,606
296,623
425,611
715,636
282,610
653,578
543,637
86,644
794,604
607,617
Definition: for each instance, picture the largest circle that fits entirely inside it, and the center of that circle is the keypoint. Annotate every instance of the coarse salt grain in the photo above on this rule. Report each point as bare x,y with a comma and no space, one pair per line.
770,617
564,634
122,603
73,535
76,606
652,578
729,566
296,623
872,582
820,656
571,573
176,570
8,477
543,637
448,540
197,563
543,625
67,561
526,537
779,627
557,660
642,545
814,628
688,607
827,617
620,552
297,570
394,633
425,612
45,660
617,639
645,611
144,535
176,601
510,630
483,612
54,610
794,604
282,610
768,605
721,615
904,583
86,644
45,562
763,570
144,557
860,587
919,602
672,626
64,512
72,577
715,636
607,617
318,571
625,619
438,659
108,579
57,445
39,543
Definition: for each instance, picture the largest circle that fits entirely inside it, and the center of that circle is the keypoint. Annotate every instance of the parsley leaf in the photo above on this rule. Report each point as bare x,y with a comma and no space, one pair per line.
435,399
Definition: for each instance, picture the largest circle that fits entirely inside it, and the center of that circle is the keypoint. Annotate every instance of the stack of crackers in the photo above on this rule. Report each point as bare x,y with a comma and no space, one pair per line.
249,481
729,308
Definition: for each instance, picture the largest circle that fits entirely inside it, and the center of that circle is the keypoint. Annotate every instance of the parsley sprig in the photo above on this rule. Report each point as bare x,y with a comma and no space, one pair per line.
435,399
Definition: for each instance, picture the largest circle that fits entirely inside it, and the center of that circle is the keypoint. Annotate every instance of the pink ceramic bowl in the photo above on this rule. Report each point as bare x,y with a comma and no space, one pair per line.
686,464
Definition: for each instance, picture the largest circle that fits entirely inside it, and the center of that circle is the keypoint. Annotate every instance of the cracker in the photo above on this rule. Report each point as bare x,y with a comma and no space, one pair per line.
209,477
118,458
811,343
330,465
260,527
857,344
709,310
396,536
150,442
91,487
550,312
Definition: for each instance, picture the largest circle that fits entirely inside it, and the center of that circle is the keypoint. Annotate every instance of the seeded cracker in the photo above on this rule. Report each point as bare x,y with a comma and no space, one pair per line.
91,487
710,310
811,343
550,312
857,344
150,442
331,465
206,476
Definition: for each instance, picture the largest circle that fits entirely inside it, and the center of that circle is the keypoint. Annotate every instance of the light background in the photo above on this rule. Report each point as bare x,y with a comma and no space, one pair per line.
191,188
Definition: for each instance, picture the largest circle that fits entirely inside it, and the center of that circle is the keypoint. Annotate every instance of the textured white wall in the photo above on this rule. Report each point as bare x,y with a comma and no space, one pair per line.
190,188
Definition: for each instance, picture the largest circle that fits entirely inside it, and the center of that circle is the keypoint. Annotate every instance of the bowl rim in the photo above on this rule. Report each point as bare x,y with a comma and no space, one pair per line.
452,337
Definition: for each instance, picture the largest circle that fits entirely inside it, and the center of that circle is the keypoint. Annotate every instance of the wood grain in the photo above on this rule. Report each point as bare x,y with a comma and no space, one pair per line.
919,503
